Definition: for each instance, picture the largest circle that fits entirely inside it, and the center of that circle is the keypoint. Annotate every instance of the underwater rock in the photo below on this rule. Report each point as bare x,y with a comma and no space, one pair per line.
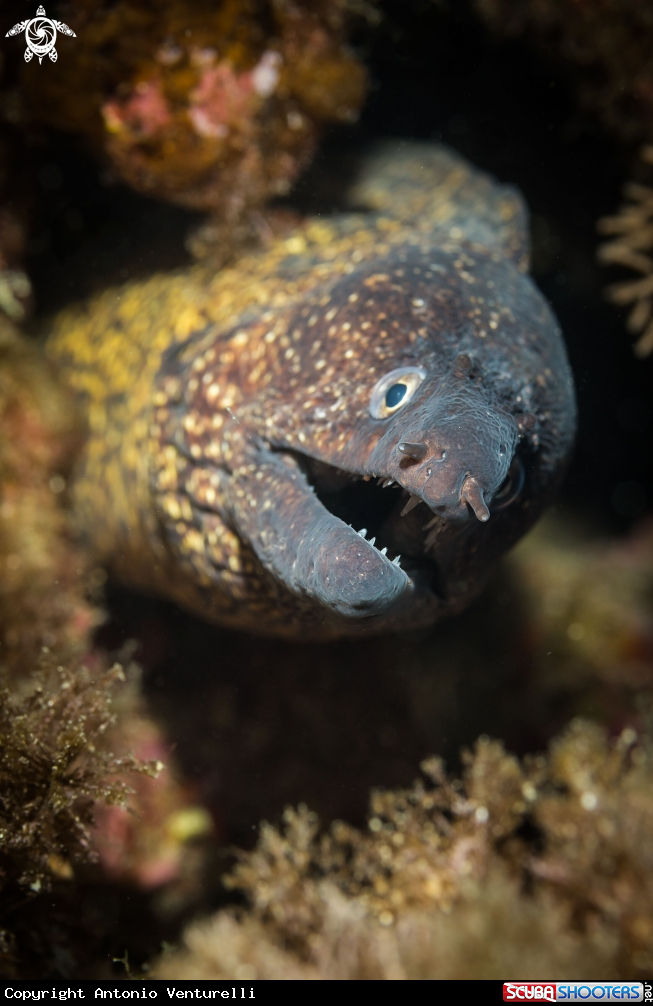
213,107
85,800
44,578
54,768
239,422
524,868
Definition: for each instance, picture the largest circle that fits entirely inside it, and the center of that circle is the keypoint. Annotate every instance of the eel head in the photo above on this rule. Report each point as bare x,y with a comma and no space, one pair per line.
373,450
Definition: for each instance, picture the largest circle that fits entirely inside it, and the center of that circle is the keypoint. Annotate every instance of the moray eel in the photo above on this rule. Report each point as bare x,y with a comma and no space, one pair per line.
341,433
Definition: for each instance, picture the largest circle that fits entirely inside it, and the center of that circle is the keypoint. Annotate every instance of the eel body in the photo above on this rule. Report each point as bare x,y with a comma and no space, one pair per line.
343,432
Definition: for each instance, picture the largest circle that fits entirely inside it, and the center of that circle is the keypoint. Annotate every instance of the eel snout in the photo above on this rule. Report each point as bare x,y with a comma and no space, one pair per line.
451,505
453,452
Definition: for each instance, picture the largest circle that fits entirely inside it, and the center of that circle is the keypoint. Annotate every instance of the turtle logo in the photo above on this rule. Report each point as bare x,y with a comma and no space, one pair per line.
40,35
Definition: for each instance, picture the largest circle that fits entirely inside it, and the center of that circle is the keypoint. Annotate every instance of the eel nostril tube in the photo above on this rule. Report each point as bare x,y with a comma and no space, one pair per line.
472,493
416,451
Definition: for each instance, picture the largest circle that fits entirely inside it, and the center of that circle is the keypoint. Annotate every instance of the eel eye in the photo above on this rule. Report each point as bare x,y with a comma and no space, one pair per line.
394,390
511,486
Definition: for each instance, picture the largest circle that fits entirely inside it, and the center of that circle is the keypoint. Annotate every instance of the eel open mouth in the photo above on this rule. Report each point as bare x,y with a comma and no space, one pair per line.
400,526
356,543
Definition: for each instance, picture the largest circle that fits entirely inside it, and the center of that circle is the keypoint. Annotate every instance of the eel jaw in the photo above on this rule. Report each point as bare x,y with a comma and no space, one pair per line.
345,573
340,563
386,518
311,551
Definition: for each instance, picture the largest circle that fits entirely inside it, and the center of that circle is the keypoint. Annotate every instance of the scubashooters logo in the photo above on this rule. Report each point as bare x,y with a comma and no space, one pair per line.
572,991
40,35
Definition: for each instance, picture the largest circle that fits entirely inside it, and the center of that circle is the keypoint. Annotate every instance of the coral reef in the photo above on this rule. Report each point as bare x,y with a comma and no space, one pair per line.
85,801
520,868
607,42
491,932
212,107
86,804
82,777
549,881
631,230
39,435
53,769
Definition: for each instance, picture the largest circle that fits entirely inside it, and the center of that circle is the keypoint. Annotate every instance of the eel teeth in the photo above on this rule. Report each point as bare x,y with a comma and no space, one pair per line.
388,482
433,521
372,540
411,504
362,532
395,561
384,551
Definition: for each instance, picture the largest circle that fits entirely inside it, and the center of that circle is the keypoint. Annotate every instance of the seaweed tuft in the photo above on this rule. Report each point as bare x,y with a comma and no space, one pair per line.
54,767
519,867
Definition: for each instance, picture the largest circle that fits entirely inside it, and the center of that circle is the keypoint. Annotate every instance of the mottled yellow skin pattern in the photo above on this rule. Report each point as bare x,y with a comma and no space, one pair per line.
137,490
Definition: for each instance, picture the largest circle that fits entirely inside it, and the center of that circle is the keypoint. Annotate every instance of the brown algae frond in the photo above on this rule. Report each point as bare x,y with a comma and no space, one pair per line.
519,866
54,767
